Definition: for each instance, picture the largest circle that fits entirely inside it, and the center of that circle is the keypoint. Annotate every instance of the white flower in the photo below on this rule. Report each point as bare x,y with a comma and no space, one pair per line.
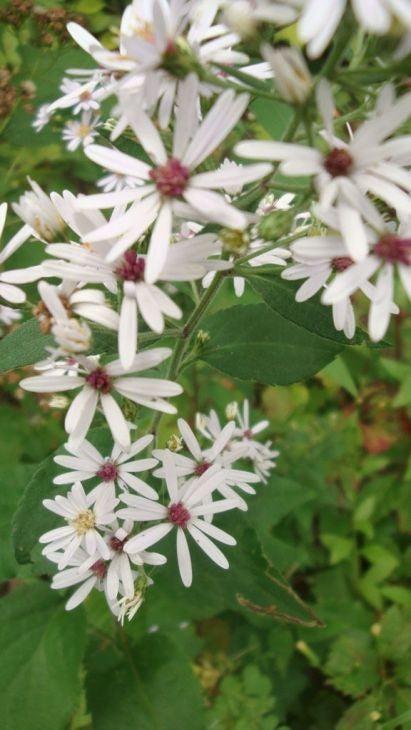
117,181
185,261
262,455
184,511
82,97
42,117
291,74
97,384
119,469
38,212
85,517
160,43
390,252
368,163
201,460
71,336
171,179
9,292
82,132
8,315
321,18
89,572
244,16
120,570
58,302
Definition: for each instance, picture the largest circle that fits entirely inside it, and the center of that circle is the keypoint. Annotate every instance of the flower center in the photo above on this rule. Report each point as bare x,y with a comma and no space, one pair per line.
178,515
341,263
99,568
201,468
248,434
117,544
84,522
99,380
394,249
85,95
171,178
107,472
132,267
338,162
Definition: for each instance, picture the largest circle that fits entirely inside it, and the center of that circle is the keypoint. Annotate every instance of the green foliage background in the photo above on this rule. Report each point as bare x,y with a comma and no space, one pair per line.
239,651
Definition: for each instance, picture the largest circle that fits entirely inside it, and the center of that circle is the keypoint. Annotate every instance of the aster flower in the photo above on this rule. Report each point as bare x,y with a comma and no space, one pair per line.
291,74
321,18
262,455
186,261
390,252
368,164
117,181
172,178
8,315
117,470
85,517
42,117
7,291
93,574
200,460
98,383
80,133
184,512
244,16
81,97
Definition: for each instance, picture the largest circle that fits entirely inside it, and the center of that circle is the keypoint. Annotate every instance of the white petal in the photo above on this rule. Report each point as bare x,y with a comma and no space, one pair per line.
116,421
208,546
184,559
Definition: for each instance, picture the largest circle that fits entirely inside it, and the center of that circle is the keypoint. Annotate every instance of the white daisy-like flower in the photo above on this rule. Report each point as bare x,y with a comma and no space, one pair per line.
80,133
370,163
8,315
121,572
171,179
390,252
161,41
117,470
8,291
321,18
85,571
184,512
98,383
262,455
186,261
82,97
72,336
85,516
200,460
42,117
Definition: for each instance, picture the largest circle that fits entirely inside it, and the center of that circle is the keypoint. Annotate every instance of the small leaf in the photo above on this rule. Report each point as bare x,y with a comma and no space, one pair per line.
24,346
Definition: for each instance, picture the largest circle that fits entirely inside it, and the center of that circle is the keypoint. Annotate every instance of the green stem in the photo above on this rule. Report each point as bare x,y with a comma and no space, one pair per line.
266,249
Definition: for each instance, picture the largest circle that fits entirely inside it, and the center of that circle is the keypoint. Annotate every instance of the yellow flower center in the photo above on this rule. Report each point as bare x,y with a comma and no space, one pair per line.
84,521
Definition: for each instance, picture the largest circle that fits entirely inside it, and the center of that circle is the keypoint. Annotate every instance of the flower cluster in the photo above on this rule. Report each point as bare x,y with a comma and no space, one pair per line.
120,268
102,544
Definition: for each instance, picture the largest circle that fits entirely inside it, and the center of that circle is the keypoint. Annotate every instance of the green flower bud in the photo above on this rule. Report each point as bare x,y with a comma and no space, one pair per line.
275,224
179,59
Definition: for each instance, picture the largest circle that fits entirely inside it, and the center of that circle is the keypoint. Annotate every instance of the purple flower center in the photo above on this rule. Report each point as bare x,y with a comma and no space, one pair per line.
99,568
178,515
107,472
117,544
338,162
201,468
99,380
132,267
341,263
248,434
393,249
171,178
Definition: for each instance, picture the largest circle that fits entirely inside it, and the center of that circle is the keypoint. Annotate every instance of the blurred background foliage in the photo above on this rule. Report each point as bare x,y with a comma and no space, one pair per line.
334,518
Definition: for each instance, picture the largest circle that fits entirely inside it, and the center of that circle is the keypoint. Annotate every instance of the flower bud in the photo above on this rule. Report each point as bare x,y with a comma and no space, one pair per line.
276,224
291,74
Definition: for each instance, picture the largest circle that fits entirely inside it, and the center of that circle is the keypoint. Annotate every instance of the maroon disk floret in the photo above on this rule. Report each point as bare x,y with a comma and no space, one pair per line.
393,249
132,267
117,544
248,434
201,468
338,162
171,178
341,263
178,515
99,380
108,472
99,568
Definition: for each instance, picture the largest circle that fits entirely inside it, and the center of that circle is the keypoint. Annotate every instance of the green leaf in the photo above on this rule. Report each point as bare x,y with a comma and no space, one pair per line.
274,116
41,648
12,480
150,687
339,547
255,343
279,295
352,664
24,346
339,372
